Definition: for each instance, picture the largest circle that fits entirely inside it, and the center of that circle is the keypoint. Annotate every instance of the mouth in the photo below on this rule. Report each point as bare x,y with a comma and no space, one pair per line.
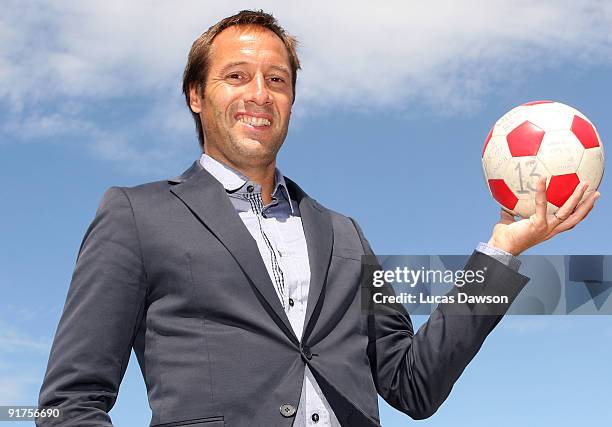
257,121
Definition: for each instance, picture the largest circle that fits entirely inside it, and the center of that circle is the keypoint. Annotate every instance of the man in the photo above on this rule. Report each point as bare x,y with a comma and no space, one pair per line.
239,293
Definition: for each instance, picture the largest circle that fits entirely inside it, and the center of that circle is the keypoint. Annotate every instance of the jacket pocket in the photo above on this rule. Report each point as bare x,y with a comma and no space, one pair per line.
197,422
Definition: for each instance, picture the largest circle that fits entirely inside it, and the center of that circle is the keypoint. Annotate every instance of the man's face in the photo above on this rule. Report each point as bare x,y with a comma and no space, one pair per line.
247,98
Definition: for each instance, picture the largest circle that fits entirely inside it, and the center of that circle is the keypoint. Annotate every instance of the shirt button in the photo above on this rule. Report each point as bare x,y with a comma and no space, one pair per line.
287,410
250,188
315,417
291,302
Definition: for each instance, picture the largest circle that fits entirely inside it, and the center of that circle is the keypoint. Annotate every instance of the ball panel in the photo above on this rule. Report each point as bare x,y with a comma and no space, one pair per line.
487,141
560,152
591,167
525,139
511,120
496,154
585,132
551,116
521,174
561,187
502,193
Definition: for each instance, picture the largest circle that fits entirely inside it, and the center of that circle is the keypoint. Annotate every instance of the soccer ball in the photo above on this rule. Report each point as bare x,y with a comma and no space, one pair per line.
541,138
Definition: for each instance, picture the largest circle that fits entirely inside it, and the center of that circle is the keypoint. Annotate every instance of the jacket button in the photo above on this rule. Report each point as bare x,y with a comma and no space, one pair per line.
250,188
315,417
306,352
287,410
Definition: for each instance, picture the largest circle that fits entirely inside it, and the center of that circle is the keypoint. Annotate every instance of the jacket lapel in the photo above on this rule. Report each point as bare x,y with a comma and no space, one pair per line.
208,201
318,231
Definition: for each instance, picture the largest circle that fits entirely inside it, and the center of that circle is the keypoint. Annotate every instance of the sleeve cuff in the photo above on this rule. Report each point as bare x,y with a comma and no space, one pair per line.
500,255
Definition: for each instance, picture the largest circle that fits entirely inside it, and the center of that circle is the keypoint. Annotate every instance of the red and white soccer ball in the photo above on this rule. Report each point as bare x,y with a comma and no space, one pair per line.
541,138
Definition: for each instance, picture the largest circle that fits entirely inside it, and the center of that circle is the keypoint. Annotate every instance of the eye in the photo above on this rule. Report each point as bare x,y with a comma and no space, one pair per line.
277,80
234,77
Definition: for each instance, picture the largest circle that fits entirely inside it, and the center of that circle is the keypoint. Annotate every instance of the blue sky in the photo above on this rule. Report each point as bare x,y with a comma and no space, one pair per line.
392,108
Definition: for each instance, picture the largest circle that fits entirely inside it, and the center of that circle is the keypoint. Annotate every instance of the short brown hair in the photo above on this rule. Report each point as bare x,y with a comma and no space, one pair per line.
196,70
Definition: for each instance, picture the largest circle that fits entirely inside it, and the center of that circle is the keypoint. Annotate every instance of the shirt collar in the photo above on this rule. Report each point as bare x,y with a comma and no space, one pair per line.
233,180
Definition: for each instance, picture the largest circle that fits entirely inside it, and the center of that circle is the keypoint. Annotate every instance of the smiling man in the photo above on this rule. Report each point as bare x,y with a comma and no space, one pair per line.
239,293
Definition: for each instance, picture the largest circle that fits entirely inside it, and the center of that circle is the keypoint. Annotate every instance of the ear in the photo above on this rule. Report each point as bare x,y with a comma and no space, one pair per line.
195,102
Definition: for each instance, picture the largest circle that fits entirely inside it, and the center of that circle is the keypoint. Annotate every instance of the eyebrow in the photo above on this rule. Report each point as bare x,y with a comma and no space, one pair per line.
227,67
281,68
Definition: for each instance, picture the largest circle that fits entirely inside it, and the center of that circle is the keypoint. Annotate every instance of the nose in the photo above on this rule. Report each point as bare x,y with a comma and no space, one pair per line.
257,90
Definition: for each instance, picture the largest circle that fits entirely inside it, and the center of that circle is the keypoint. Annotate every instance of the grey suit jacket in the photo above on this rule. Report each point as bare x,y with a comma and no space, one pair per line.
169,269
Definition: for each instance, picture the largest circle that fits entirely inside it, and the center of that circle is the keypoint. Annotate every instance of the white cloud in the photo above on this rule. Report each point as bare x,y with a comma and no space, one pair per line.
355,55
13,340
18,389
21,358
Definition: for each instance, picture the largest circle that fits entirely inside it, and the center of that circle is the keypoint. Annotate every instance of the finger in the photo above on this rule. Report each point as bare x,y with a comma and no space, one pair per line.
506,217
579,214
540,200
569,206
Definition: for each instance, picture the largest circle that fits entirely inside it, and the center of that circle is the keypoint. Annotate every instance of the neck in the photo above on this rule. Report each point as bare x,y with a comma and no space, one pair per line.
262,174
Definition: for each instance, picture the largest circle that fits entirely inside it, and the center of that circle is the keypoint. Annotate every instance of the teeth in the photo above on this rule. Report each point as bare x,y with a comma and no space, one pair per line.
254,121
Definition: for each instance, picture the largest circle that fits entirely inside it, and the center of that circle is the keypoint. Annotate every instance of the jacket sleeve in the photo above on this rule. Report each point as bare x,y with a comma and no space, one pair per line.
103,309
415,373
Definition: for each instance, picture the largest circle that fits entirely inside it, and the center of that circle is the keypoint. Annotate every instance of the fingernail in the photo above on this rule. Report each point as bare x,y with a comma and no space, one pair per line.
597,194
